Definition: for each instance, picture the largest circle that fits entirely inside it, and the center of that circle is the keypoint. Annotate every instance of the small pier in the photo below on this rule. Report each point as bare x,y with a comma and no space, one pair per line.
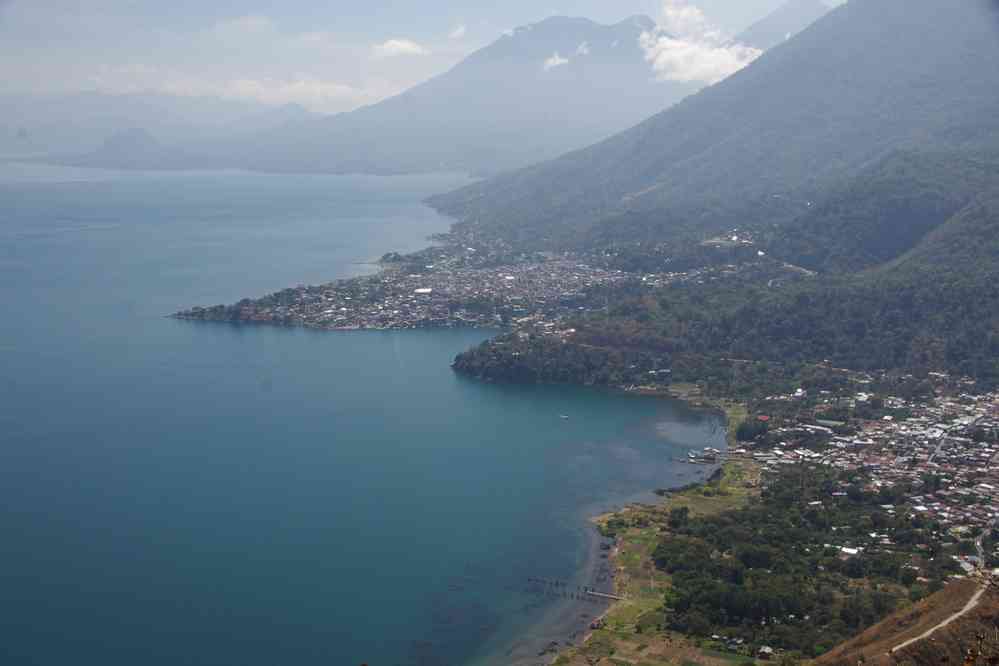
603,595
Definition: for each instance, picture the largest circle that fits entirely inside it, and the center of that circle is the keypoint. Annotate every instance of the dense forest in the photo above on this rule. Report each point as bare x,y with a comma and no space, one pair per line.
889,209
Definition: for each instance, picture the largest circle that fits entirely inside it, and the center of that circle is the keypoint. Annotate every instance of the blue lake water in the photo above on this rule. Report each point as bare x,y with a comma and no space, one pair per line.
174,493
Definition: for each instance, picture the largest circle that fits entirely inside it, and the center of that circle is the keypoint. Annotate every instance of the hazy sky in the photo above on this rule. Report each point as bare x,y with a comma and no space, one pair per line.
328,55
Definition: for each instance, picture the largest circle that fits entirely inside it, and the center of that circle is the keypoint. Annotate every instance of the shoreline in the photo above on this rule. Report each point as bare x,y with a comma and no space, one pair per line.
730,412
567,625
584,629
540,637
632,602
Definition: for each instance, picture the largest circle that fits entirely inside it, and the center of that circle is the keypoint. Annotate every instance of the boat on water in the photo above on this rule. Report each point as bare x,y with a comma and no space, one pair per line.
564,417
707,456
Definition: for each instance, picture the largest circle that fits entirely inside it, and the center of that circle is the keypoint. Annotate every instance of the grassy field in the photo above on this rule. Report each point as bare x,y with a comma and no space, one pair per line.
632,633
739,482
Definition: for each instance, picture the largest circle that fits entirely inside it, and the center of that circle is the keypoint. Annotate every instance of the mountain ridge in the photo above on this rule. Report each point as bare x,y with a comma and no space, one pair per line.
531,95
812,112
462,120
783,23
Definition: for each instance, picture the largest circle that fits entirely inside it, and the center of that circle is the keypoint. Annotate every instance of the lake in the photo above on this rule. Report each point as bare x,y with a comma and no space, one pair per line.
178,493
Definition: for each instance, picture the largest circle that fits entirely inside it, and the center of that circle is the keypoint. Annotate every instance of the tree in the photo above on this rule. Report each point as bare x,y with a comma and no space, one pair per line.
679,517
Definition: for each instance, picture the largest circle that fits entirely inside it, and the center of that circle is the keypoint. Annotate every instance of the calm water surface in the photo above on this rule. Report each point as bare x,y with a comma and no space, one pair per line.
175,493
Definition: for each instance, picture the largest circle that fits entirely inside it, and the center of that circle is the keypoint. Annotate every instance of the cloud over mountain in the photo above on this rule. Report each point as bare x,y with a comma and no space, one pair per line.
554,61
686,47
399,47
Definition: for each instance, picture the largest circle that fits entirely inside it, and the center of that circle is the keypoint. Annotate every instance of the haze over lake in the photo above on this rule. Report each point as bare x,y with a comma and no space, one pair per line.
177,493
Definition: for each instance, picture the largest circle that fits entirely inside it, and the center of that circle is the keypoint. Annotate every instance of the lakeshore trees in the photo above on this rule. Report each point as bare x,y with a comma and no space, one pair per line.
798,569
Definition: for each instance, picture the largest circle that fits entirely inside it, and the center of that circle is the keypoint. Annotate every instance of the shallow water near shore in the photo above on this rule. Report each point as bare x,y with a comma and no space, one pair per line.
182,493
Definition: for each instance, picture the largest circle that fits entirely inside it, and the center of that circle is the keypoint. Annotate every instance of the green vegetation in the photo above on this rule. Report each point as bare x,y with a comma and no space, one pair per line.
633,629
990,544
899,217
886,211
798,562
869,242
541,359
774,573
935,308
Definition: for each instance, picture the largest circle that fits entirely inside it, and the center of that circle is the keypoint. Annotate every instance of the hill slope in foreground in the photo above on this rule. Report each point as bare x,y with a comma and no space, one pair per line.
950,644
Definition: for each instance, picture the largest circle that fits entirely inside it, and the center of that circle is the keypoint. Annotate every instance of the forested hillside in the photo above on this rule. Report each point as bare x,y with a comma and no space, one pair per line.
934,308
871,78
887,210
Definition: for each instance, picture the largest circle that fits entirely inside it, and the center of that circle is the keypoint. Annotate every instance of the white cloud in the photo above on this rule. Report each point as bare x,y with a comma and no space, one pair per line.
399,47
583,49
310,91
55,46
686,47
459,32
686,21
555,61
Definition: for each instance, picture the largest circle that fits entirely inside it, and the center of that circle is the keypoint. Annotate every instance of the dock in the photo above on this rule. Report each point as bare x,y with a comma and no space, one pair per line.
603,595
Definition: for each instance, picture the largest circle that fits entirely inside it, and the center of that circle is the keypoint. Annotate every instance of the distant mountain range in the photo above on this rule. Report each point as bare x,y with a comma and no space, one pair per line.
64,125
532,95
870,78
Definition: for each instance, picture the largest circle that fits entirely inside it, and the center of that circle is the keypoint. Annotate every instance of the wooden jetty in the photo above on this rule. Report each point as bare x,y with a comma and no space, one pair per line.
602,595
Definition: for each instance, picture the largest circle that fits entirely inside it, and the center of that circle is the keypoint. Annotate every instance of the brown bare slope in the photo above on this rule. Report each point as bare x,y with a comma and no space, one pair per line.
947,645
974,634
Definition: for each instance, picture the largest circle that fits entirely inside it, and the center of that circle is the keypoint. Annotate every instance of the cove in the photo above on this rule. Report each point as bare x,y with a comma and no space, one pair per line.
179,493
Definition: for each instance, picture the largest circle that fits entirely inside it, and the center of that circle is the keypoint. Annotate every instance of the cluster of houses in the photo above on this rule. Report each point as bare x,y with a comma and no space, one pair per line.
465,282
437,296
947,448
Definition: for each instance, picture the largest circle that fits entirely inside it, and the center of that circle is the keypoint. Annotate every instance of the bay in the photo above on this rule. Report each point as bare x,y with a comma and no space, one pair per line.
179,493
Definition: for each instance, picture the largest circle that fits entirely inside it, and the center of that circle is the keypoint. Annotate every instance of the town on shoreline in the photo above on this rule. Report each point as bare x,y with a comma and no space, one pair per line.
921,466
462,283
918,452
